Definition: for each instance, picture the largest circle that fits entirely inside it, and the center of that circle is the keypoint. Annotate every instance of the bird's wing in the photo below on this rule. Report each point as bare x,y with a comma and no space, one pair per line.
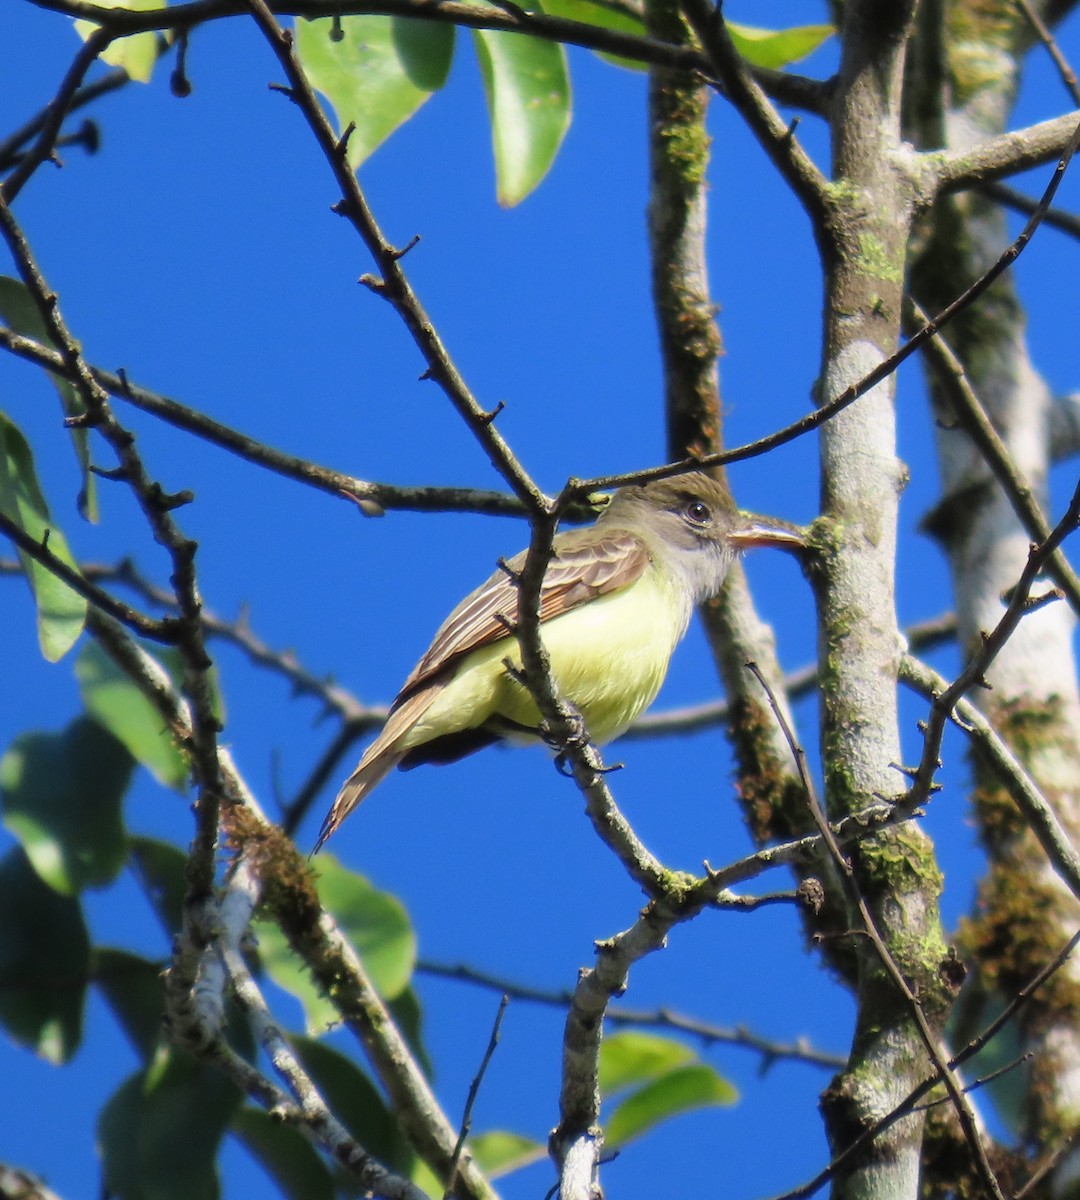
581,569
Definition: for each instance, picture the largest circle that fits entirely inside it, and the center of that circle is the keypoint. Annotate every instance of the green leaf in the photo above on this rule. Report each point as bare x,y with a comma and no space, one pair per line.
159,1132
21,314
602,16
284,1154
375,923
135,991
409,1018
138,52
378,74
631,1058
680,1090
62,795
160,867
355,1101
44,962
119,705
776,48
61,611
499,1152
528,97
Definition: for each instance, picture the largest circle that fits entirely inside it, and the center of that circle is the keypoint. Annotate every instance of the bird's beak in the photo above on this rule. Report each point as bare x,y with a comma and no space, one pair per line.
763,531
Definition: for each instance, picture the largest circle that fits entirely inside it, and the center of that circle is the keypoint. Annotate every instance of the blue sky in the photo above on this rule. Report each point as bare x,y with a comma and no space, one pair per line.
197,250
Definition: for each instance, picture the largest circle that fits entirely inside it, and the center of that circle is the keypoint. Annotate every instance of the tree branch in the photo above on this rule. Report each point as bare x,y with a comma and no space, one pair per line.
370,497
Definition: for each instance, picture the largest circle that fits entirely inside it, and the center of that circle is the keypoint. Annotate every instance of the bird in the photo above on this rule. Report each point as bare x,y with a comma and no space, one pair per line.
616,599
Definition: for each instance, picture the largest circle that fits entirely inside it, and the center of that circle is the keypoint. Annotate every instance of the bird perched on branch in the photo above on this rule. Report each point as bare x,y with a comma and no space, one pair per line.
615,601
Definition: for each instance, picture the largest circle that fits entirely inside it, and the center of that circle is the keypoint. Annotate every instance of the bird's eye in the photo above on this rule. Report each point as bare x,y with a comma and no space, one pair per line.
698,512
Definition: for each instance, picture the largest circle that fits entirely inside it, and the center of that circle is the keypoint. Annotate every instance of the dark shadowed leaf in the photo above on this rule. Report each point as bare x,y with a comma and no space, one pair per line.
159,868
44,962
160,1130
375,923
528,96
62,796
378,74
61,612
406,1011
284,1154
355,1101
119,705
135,992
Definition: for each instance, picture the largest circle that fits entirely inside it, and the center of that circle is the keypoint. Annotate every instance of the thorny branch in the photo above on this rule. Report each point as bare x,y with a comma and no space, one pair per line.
370,497
156,506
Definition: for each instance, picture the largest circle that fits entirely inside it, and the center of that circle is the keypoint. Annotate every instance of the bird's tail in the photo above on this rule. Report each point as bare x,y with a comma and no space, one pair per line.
379,759
376,764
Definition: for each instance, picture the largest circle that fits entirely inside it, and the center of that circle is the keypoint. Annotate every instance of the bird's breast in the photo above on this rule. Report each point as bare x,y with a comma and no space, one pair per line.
608,656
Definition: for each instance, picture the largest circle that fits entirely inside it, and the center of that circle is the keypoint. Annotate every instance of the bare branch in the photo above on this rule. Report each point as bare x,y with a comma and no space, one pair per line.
930,1042
771,1051
785,87
55,114
394,285
1019,605
998,157
156,506
371,497
978,426
1036,810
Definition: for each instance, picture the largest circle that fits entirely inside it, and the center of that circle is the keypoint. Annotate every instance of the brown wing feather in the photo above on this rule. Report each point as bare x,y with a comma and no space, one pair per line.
583,570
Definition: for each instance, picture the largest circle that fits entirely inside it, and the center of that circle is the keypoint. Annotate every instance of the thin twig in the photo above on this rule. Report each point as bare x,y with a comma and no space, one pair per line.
1068,75
394,285
775,135
785,87
977,424
888,961
771,1051
884,369
11,148
165,630
55,114
157,507
372,497
974,673
474,1091
907,1105
1038,814
1057,218
802,682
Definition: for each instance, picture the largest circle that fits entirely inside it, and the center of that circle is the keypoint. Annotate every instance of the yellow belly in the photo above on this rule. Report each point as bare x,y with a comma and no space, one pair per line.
609,658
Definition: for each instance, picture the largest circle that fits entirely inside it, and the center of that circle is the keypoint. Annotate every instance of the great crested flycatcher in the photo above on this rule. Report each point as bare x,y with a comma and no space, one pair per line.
616,598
